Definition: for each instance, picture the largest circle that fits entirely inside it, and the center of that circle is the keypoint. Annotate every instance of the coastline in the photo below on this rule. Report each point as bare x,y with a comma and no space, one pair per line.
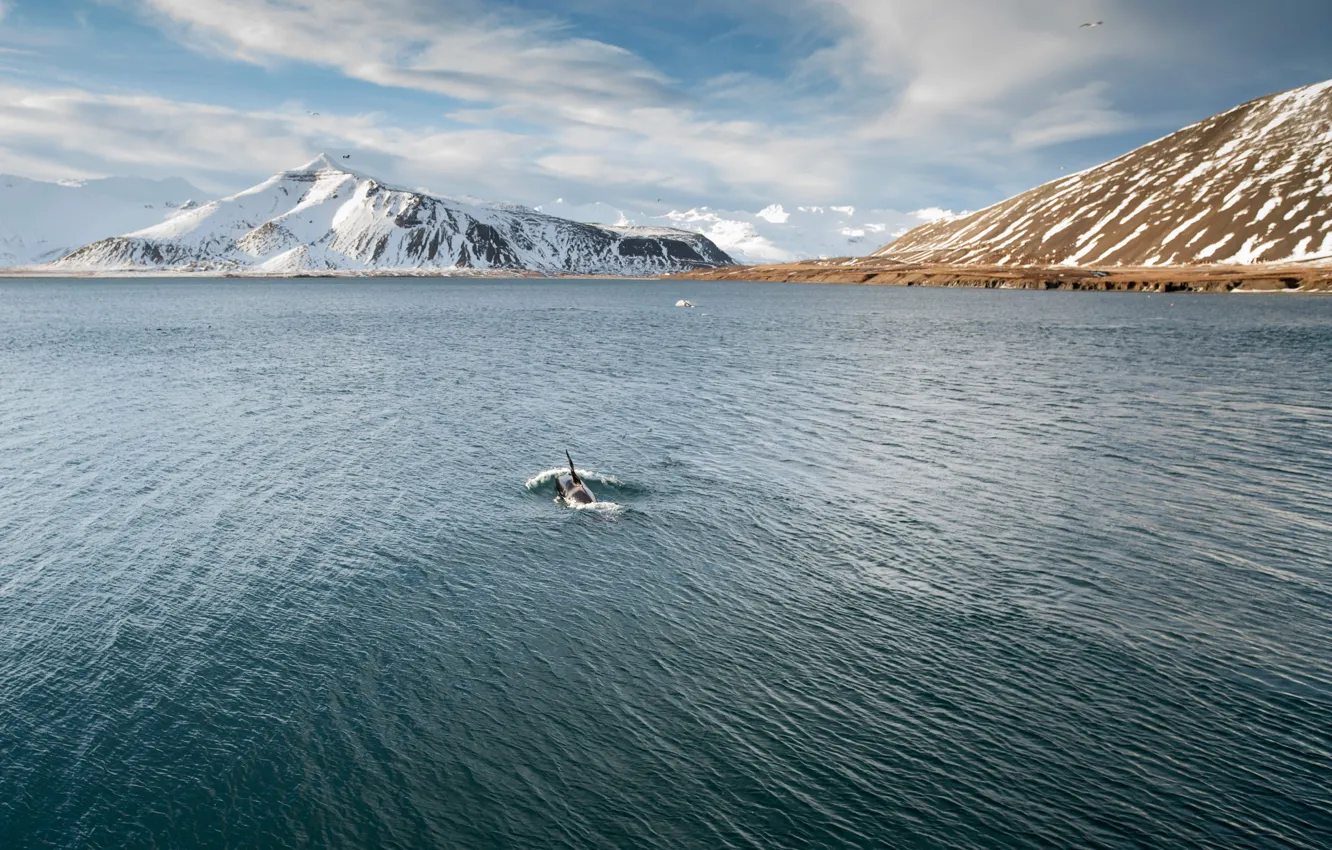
1265,279
876,272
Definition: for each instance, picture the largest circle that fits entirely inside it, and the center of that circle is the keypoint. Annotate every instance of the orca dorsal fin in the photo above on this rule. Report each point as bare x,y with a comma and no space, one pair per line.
573,472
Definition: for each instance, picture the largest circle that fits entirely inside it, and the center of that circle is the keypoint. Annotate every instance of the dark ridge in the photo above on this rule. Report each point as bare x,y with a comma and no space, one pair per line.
633,246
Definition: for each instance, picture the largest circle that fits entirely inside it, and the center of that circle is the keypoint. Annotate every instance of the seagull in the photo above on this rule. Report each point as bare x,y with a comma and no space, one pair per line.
1091,26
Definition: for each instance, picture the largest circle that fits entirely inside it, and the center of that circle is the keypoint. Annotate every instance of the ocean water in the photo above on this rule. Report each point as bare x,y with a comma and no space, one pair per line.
280,566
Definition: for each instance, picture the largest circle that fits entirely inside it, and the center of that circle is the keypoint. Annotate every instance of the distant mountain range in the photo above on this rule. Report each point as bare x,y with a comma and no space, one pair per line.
1252,185
324,217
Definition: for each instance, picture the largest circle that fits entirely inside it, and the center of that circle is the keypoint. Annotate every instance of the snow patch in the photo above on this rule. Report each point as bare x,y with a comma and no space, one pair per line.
1207,252
930,215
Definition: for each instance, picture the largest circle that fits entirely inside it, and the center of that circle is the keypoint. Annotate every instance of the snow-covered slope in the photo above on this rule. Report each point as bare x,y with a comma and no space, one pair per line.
325,217
1252,185
42,221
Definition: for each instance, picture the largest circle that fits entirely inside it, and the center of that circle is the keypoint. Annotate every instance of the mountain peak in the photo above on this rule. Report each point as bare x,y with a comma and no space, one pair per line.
320,163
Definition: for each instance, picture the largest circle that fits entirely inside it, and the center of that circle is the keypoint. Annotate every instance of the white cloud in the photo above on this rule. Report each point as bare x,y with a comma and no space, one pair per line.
955,82
915,101
1073,115
929,215
52,134
967,62
455,48
774,214
607,118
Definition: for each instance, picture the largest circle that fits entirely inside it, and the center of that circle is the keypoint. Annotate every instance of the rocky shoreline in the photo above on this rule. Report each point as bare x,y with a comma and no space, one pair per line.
876,272
871,272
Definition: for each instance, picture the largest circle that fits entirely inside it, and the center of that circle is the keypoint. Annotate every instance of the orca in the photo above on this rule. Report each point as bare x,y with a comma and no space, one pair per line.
571,488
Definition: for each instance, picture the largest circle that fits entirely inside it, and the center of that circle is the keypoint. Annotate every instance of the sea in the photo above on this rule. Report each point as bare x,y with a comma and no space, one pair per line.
281,566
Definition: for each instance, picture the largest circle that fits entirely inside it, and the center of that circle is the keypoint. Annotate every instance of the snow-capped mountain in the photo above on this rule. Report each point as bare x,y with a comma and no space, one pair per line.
325,217
1252,185
41,221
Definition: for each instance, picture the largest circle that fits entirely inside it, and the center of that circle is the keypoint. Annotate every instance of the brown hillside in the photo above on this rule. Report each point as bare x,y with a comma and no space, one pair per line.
1252,185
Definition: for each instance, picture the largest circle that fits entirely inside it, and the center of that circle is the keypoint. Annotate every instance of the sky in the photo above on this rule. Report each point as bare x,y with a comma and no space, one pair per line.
732,104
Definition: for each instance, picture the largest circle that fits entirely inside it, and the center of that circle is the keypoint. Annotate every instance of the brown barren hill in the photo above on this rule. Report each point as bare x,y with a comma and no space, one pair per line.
1252,185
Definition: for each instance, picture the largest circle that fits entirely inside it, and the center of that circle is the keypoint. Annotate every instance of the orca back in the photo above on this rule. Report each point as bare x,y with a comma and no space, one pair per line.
574,492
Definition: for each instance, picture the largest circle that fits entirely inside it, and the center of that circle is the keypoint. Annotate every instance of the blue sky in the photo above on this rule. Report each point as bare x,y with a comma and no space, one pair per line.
736,104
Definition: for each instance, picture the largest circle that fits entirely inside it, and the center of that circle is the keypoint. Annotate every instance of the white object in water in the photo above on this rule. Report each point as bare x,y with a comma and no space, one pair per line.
684,303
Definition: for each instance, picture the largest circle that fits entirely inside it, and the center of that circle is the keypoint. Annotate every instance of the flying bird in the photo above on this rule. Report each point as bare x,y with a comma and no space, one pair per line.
1091,26
346,156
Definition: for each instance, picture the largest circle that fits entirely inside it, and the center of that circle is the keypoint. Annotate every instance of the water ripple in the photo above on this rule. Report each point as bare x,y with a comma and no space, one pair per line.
279,565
